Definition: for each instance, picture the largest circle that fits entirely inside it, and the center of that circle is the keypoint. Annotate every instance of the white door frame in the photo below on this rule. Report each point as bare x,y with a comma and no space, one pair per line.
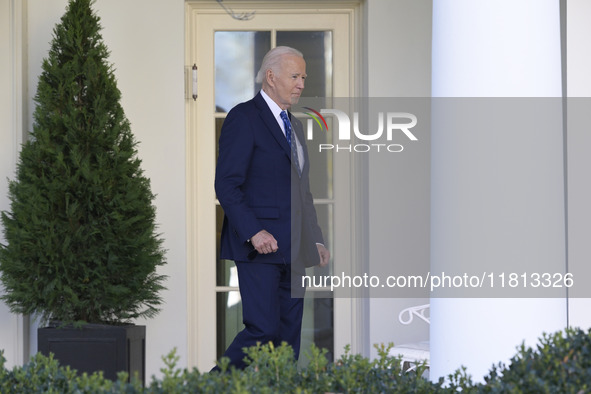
349,313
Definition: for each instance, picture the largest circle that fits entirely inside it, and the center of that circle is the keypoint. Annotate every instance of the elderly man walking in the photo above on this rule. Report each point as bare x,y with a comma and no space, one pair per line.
270,227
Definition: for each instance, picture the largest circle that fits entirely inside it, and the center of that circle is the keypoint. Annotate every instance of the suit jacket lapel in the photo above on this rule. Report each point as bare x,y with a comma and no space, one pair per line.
271,123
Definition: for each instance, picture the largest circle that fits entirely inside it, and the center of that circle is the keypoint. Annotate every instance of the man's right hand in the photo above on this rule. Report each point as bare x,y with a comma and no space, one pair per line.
264,242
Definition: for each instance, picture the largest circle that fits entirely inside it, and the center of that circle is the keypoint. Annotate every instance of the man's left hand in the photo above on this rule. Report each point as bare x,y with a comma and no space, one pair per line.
324,255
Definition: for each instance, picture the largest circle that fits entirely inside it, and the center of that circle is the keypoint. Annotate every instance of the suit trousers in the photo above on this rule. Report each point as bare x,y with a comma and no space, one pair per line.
269,312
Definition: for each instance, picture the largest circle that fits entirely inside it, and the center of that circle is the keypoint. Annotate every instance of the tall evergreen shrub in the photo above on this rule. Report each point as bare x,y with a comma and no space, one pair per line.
81,242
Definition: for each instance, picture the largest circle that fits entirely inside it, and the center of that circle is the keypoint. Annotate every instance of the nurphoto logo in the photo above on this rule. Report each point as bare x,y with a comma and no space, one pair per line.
389,125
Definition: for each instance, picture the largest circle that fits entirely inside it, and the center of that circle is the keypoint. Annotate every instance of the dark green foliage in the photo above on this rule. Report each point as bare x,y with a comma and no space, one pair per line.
45,375
80,235
271,370
560,364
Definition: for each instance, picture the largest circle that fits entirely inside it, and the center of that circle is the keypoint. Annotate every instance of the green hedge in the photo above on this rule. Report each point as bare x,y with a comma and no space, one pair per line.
561,363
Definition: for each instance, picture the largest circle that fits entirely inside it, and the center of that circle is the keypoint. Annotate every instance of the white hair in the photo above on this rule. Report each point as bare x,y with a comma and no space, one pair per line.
272,60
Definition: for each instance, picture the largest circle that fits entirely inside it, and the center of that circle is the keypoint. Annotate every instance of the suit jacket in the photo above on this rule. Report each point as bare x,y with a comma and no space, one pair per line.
259,188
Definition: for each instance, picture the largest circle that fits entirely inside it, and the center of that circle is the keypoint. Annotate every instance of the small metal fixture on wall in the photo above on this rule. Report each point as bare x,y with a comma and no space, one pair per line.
245,16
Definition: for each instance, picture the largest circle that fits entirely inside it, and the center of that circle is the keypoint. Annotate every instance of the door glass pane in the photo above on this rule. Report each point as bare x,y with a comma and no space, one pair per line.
226,274
317,328
238,56
219,122
316,46
325,221
229,319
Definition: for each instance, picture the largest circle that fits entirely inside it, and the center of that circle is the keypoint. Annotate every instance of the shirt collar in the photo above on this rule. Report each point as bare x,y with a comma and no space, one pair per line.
275,109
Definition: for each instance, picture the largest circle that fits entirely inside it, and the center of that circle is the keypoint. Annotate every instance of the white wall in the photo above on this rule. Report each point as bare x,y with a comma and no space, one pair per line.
399,48
578,54
398,35
146,41
579,139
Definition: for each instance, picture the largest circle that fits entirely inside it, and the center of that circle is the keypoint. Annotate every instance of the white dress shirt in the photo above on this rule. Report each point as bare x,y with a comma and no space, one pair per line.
276,110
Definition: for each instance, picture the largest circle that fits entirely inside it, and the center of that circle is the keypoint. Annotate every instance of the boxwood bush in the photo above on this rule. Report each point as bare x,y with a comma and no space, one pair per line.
561,363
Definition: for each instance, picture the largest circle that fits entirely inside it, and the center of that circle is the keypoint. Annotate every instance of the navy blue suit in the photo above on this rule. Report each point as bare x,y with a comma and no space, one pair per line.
259,189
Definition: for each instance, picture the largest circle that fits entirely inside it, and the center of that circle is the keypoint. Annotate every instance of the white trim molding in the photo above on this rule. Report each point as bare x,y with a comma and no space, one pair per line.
15,112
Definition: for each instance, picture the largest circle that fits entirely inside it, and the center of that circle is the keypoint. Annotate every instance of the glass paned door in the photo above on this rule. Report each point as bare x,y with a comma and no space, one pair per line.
228,54
238,55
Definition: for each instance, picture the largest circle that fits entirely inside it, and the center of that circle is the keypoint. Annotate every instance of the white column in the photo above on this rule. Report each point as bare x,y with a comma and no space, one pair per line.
483,208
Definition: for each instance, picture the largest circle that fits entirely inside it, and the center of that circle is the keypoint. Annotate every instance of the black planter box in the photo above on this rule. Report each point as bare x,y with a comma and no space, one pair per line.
95,347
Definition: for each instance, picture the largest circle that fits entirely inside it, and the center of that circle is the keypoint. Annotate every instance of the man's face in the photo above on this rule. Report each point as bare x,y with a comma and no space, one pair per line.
286,86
